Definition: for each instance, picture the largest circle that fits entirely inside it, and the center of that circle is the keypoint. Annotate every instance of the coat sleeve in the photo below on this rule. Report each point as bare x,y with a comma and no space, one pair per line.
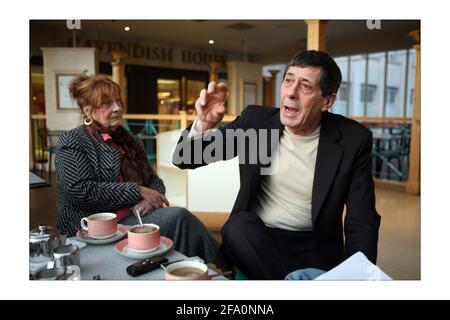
362,220
155,182
76,177
189,152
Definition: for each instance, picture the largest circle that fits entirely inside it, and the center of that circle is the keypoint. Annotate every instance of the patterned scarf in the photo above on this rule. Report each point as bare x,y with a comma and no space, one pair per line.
134,166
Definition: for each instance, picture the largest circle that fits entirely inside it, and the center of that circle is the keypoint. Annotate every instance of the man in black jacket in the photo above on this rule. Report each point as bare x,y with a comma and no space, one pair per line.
291,218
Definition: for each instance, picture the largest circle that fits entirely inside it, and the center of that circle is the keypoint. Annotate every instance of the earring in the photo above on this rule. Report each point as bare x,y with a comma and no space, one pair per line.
87,121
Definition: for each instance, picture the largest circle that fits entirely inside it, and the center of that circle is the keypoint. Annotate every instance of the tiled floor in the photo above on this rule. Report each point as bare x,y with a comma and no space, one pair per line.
399,243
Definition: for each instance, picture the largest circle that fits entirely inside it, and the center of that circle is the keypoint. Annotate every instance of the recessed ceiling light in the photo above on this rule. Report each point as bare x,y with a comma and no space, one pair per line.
211,41
126,28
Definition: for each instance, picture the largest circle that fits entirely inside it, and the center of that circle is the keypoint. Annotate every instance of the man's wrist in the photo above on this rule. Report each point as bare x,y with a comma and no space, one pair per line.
202,126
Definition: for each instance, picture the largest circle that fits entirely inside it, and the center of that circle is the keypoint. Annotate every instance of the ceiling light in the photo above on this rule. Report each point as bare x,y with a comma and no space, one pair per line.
211,41
162,95
126,28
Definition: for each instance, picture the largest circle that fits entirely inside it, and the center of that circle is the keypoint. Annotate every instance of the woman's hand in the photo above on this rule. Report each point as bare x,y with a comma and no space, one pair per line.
142,208
153,197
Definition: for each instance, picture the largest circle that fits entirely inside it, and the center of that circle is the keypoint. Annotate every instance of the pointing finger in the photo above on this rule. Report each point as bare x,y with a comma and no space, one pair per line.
211,87
202,97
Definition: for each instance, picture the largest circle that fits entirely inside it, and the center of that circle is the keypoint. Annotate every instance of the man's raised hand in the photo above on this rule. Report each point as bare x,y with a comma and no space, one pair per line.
210,106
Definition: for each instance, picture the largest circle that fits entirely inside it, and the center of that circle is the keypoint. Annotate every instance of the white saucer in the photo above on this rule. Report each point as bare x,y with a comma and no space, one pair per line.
142,251
101,237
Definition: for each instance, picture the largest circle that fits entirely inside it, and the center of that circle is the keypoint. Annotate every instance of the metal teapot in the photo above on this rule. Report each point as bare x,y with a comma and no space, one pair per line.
43,241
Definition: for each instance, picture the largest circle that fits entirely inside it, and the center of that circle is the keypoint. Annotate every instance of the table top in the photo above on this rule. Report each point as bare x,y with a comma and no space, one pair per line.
37,182
104,261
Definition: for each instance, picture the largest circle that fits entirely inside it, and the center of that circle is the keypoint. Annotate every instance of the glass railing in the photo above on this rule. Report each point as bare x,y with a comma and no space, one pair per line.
391,147
390,153
145,126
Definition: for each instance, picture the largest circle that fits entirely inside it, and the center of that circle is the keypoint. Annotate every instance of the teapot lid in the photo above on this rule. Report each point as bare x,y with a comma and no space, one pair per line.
44,233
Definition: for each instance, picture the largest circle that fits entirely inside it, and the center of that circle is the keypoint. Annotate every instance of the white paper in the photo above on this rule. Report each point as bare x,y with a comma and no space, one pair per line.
357,267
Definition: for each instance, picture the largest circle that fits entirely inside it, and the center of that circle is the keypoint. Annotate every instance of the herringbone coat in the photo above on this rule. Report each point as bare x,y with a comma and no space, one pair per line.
87,180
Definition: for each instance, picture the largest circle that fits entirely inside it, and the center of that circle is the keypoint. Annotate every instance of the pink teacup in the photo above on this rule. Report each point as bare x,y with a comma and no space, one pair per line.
187,270
144,239
100,225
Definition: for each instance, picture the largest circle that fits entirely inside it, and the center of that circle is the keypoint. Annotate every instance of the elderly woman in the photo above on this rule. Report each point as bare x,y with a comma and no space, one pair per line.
101,167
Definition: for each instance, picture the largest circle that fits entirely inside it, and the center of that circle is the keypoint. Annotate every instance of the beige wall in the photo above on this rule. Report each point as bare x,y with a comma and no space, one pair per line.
239,74
58,61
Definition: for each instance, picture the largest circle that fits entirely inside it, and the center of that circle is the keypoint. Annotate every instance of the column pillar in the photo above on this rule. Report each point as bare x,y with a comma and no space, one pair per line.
270,83
213,76
316,34
31,149
413,184
267,91
118,74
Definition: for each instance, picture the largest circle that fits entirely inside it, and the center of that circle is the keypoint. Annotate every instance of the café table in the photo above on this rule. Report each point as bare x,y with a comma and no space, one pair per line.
37,182
102,262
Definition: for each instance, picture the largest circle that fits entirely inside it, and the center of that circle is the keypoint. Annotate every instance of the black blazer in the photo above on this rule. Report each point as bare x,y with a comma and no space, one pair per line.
342,177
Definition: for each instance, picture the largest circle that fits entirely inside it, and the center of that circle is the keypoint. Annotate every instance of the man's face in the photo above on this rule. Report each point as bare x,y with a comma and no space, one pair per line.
301,99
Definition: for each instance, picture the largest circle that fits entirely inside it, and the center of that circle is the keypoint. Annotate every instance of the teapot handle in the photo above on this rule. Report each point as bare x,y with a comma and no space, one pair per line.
74,271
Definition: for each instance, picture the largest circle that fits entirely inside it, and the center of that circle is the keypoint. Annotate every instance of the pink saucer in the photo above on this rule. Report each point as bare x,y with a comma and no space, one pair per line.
164,246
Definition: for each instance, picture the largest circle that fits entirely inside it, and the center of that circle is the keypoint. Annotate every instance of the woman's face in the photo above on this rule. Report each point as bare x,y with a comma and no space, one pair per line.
108,114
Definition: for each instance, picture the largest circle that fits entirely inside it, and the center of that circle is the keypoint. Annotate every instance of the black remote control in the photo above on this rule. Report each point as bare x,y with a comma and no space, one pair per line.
145,266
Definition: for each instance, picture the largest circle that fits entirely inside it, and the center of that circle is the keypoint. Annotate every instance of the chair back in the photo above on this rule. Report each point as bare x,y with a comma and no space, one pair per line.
53,137
401,139
48,139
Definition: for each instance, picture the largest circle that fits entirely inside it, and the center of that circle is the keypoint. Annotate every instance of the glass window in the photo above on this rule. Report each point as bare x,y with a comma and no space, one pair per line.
340,106
396,72
375,78
411,82
342,95
168,102
357,79
390,86
168,96
193,89
368,94
391,94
